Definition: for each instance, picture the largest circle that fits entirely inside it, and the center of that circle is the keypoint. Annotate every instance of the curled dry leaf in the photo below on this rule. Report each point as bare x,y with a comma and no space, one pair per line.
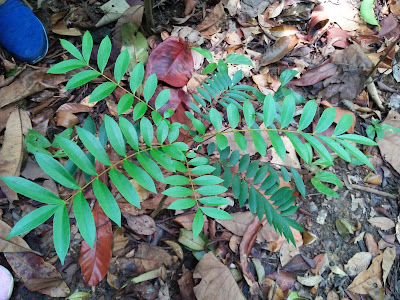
94,261
274,9
388,258
266,83
62,28
41,276
319,18
172,61
66,119
141,224
369,279
216,282
176,248
340,35
358,263
382,223
148,257
322,262
281,47
283,30
209,25
309,238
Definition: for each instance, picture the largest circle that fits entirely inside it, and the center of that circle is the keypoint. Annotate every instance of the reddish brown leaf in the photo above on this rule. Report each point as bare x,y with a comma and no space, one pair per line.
335,33
94,262
186,286
298,263
284,279
319,18
315,75
372,246
172,61
281,47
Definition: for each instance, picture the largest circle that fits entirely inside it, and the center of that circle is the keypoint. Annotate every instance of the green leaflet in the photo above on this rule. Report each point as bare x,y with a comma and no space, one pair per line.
176,180
33,219
103,53
137,76
201,170
326,120
178,191
216,119
244,163
146,129
328,177
129,133
287,75
102,91
357,153
298,181
240,141
216,213
222,141
214,201
335,147
150,87
56,171
121,65
162,132
259,142
308,114
206,53
71,49
84,219
139,110
233,115
209,68
358,139
269,110
318,146
182,204
81,78
151,167
249,113
125,187
87,46
61,232
162,98
125,103
285,174
174,151
31,190
76,155
198,223
198,161
66,66
288,108
344,124
323,188
238,59
93,145
209,190
107,201
140,176
207,180
115,135
163,159
367,12
278,144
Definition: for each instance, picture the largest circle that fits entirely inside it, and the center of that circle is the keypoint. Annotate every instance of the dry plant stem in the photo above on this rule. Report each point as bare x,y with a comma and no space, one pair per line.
148,8
371,190
373,92
160,205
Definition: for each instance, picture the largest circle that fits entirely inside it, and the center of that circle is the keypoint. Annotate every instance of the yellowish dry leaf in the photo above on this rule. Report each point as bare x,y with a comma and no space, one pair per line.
382,223
387,262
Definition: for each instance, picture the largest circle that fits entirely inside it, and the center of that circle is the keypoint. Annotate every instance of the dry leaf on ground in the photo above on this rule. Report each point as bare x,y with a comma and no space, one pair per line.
358,263
113,10
390,143
148,258
371,245
382,223
368,280
281,47
210,24
141,224
15,244
310,280
217,282
38,275
119,239
389,256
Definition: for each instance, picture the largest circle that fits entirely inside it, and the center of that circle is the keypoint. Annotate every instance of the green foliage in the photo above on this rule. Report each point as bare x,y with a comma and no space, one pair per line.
195,175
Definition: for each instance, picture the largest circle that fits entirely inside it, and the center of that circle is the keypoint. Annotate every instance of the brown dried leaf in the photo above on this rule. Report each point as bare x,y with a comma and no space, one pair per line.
75,108
389,256
186,286
299,263
310,280
315,75
189,6
141,224
119,239
44,276
62,28
382,223
13,245
274,9
281,47
358,263
209,25
394,7
389,144
369,279
371,245
66,119
217,282
133,15
283,30
284,279
148,258
322,262
270,290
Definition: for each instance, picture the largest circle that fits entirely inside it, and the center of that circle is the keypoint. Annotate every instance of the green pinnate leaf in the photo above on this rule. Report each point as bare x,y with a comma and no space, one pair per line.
129,133
107,201
248,112
207,180
298,181
178,191
214,201
209,68
150,87
87,46
287,75
61,232
84,219
328,177
139,110
367,12
81,78
56,171
222,141
335,147
357,139
288,108
162,98
146,129
102,91
198,223
163,159
209,190
206,53
216,119
269,110
162,132
278,144
140,176
125,187
125,103
323,188
233,115
216,213
137,76
66,66
308,114
121,65
176,180
151,167
344,124
182,204
71,49
240,141
115,135
317,145
238,59
33,220
76,155
259,143
357,153
31,190
326,119
93,145
201,170
104,53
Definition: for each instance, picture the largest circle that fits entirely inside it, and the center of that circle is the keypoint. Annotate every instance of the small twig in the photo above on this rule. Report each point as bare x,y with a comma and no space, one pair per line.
160,205
373,92
383,57
375,191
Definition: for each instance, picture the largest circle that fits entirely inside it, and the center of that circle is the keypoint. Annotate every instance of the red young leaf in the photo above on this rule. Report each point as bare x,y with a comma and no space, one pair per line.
94,262
172,61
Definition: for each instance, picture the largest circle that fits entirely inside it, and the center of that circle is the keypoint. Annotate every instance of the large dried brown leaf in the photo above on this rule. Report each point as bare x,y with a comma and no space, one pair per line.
210,24
217,282
13,245
358,263
94,261
141,224
315,75
382,223
28,83
368,280
148,258
40,276
390,143
186,286
388,258
281,47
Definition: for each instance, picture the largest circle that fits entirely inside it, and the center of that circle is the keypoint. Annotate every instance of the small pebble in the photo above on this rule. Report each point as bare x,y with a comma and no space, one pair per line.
322,216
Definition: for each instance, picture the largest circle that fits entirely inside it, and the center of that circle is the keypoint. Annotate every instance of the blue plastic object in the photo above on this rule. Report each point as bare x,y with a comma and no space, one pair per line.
21,33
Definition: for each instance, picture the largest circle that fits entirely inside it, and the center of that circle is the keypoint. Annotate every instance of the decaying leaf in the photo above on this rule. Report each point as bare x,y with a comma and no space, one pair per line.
270,290
186,286
315,75
141,224
281,47
136,44
62,28
358,263
119,239
382,223
310,280
210,24
39,275
388,258
216,282
391,141
94,261
15,244
113,9
371,245
133,15
284,279
369,279
148,258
